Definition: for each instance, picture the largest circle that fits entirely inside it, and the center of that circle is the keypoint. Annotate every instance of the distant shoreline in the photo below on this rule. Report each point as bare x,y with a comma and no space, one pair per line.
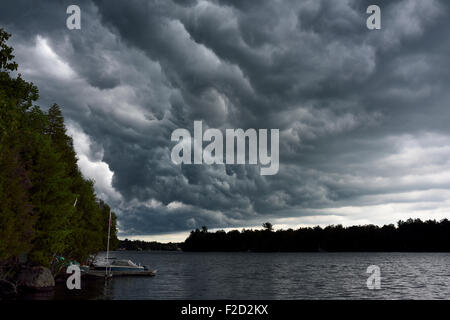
263,252
412,235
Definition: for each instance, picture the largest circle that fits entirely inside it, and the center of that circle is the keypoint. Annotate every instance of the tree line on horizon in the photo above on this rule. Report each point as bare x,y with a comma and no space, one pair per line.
412,235
140,245
47,208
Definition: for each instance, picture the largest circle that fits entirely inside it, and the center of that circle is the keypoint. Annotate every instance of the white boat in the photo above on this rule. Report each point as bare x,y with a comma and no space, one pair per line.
120,265
116,267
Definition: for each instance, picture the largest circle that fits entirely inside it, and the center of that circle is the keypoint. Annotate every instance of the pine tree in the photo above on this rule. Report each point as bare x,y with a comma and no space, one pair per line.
61,141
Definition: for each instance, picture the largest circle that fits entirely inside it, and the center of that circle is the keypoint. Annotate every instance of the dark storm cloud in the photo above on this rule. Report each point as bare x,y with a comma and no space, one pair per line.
363,115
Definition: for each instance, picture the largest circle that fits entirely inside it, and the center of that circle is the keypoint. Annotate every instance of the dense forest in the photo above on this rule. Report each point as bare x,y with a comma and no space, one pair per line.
47,208
138,245
411,235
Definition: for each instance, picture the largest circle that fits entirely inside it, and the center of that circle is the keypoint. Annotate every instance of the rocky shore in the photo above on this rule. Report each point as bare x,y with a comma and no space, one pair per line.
27,279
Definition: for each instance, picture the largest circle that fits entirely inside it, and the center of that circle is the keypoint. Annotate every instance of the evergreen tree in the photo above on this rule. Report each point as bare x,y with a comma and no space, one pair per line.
61,141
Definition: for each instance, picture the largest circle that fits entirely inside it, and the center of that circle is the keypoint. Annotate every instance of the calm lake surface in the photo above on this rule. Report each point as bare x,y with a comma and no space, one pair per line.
273,276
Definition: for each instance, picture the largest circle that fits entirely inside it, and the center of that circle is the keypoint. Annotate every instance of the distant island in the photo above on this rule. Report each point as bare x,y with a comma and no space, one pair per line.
139,245
412,235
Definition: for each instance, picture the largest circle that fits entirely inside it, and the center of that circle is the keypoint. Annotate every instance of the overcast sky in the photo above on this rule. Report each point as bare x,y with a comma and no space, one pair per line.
363,115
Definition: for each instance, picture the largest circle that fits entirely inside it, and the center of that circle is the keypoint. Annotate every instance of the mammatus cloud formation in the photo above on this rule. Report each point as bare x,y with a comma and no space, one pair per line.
363,115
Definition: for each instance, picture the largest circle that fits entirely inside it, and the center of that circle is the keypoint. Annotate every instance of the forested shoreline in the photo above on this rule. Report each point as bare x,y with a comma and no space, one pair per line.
412,235
48,210
139,245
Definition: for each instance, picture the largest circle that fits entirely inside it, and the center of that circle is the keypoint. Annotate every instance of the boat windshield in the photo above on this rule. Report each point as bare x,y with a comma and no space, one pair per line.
123,263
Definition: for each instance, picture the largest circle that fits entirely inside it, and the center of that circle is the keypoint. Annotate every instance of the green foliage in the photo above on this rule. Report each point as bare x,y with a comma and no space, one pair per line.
16,215
6,56
40,180
105,210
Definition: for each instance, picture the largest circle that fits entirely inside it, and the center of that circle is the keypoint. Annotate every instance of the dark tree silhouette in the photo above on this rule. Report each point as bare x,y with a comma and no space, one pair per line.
268,226
135,245
410,235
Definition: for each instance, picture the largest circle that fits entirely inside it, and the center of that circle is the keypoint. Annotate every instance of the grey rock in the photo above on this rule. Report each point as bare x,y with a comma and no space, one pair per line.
36,278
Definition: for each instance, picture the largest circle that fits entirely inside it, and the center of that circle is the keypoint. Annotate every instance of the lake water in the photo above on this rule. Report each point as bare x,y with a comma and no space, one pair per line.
274,276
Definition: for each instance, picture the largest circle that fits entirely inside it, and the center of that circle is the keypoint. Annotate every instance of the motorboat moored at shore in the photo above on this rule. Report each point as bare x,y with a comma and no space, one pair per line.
118,268
119,265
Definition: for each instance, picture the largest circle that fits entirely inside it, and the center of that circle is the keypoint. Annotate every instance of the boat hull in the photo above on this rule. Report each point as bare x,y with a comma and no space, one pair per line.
116,268
114,273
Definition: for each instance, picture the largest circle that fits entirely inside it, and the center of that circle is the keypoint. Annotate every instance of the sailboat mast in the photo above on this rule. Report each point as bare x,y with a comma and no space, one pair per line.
107,246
